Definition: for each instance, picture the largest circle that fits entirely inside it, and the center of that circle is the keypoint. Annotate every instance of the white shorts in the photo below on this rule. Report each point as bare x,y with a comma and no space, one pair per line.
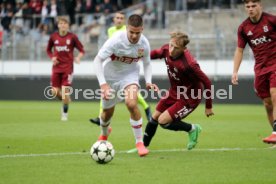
117,93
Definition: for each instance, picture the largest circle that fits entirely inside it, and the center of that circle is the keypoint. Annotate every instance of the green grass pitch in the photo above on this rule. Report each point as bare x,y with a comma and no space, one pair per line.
37,148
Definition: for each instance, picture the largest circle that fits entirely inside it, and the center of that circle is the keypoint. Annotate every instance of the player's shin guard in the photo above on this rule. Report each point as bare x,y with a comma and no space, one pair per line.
177,126
104,127
150,131
137,129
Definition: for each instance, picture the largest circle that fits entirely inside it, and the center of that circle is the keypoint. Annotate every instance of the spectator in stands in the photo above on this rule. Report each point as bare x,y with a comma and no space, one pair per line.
18,20
54,11
70,9
35,6
45,11
93,29
89,10
7,13
107,9
150,15
27,17
79,9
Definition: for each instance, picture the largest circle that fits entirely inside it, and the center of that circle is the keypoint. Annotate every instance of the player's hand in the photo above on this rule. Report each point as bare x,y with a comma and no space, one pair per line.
235,79
55,61
77,60
153,87
209,112
106,91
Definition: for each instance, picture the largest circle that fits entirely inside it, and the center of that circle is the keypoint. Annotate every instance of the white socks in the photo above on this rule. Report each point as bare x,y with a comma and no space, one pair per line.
104,127
137,129
193,128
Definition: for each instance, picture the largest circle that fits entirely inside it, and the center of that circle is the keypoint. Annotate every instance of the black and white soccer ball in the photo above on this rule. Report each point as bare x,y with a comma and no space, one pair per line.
102,152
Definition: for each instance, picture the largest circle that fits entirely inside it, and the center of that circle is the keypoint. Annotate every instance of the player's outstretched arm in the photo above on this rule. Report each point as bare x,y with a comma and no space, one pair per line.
237,62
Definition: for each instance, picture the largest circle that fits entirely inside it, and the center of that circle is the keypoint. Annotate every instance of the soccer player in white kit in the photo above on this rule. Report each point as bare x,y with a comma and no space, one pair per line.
121,54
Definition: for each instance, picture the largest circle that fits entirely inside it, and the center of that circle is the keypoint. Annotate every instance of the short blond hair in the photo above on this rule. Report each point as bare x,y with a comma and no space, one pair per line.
63,19
181,39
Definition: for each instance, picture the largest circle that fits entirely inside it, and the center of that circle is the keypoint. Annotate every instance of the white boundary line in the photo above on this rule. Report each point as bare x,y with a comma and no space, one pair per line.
124,152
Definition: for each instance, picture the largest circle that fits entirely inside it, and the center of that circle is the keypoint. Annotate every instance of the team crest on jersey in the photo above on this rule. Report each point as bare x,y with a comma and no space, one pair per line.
68,42
140,52
56,42
249,33
265,28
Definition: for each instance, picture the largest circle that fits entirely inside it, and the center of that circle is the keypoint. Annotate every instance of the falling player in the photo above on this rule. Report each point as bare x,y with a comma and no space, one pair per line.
187,84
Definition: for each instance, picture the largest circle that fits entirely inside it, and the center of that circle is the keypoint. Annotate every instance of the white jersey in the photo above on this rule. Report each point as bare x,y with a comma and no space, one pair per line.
121,57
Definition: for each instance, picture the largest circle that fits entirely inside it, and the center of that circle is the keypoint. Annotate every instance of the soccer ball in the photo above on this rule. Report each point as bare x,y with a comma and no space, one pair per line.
102,152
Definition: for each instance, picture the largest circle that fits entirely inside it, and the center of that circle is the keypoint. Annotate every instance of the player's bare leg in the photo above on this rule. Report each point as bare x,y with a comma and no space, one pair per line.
105,118
56,92
65,96
269,110
131,93
272,138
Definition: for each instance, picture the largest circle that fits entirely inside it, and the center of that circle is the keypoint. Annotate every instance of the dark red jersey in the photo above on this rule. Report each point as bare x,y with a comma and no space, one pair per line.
261,37
184,72
63,50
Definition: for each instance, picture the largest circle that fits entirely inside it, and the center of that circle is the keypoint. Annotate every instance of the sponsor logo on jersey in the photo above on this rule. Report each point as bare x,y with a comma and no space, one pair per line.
124,59
249,33
140,52
62,48
68,42
172,74
265,28
260,40
56,42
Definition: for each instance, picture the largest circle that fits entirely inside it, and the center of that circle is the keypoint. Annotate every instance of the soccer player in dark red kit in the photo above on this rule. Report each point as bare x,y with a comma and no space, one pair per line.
63,43
258,30
187,84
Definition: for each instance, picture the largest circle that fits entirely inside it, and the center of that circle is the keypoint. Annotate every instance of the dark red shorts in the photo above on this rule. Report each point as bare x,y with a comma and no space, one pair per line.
263,83
177,108
61,79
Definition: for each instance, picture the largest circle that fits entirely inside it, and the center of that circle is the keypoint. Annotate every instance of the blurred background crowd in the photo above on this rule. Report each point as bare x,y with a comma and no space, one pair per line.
26,24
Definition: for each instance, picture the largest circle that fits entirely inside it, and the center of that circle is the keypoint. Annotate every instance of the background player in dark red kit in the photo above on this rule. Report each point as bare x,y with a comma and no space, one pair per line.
183,72
258,30
62,56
